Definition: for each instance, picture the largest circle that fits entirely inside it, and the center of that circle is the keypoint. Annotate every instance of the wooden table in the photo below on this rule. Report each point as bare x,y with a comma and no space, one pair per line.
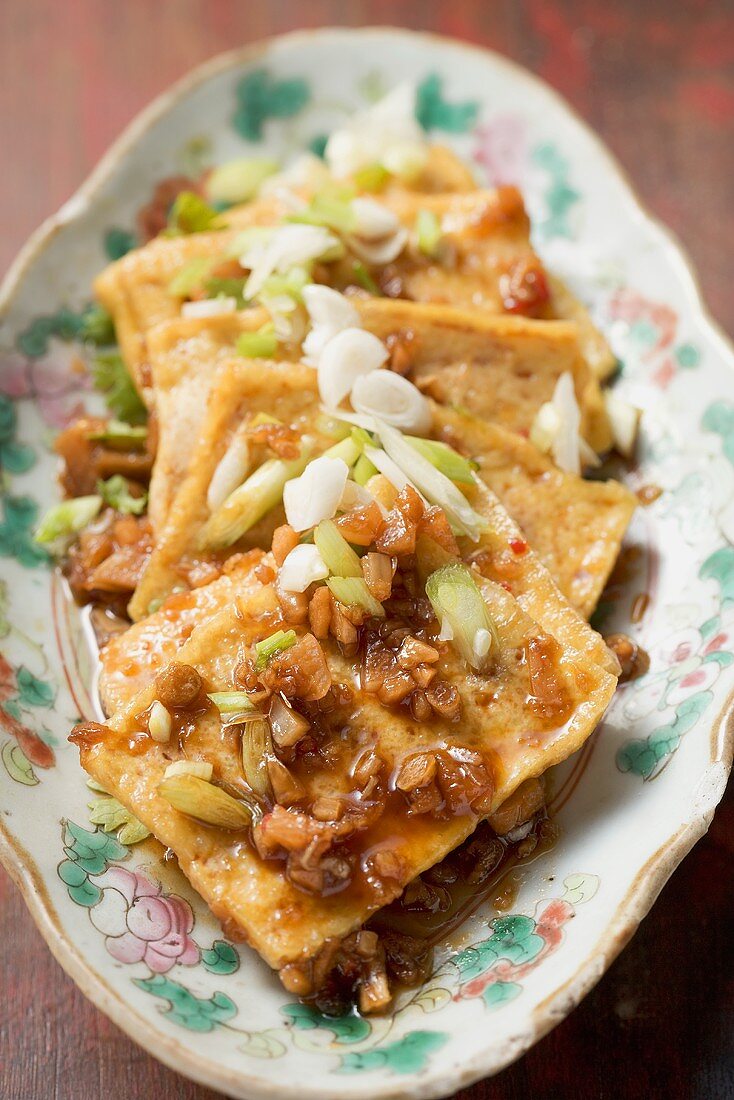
657,81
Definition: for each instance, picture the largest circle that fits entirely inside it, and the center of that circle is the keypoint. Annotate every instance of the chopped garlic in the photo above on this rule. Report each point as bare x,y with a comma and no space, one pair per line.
348,355
209,307
159,722
394,399
315,495
302,567
200,768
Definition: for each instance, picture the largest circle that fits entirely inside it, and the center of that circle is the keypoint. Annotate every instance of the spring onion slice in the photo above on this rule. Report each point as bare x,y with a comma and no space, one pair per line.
363,470
121,436
196,797
428,232
239,180
261,344
330,211
446,460
434,485
67,519
191,214
462,612
353,592
372,177
228,702
270,647
116,492
191,275
257,747
364,279
335,551
253,499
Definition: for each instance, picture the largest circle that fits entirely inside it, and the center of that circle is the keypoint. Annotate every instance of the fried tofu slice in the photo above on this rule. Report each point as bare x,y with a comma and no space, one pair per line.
245,387
241,389
133,658
500,369
493,266
134,289
574,526
535,704
184,357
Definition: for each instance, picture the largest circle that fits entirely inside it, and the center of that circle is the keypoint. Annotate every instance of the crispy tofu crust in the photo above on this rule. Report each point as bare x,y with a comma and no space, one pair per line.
283,923
575,526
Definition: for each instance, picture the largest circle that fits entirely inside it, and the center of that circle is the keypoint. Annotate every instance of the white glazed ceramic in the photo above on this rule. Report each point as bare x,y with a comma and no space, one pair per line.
127,927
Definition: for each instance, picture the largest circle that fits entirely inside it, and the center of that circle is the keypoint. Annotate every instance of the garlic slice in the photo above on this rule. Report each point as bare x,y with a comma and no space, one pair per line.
209,307
231,470
378,252
624,420
348,355
315,495
386,133
330,313
374,221
394,399
302,567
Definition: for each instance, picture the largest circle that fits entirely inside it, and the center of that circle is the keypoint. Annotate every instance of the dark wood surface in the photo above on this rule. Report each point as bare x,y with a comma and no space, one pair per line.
656,79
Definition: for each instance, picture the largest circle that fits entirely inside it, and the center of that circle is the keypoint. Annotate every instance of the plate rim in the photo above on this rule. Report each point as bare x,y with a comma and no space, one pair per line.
650,878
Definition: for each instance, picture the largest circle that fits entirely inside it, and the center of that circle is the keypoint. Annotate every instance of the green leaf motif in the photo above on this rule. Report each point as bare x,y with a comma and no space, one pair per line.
687,356
513,938
317,145
185,1008
499,993
642,757
34,692
345,1029
719,567
33,341
407,1055
17,764
17,458
16,527
560,197
118,242
434,112
222,958
260,97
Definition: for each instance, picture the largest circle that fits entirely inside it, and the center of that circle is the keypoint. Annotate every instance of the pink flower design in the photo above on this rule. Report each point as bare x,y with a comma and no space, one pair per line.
502,149
57,382
141,924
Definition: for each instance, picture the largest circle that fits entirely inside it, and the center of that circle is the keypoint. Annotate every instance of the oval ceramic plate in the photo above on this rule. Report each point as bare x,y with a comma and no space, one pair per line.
125,925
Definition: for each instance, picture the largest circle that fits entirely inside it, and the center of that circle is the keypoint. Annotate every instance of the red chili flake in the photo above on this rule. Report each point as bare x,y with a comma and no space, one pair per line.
519,546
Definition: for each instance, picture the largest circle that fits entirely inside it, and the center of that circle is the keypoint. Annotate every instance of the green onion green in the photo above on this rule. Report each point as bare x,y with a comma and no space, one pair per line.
336,552
353,592
445,459
270,647
428,232
67,519
116,492
238,180
261,344
459,604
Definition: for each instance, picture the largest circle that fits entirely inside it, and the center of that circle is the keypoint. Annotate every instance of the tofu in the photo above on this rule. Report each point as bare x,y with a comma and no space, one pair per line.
505,723
499,368
574,526
132,659
241,388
